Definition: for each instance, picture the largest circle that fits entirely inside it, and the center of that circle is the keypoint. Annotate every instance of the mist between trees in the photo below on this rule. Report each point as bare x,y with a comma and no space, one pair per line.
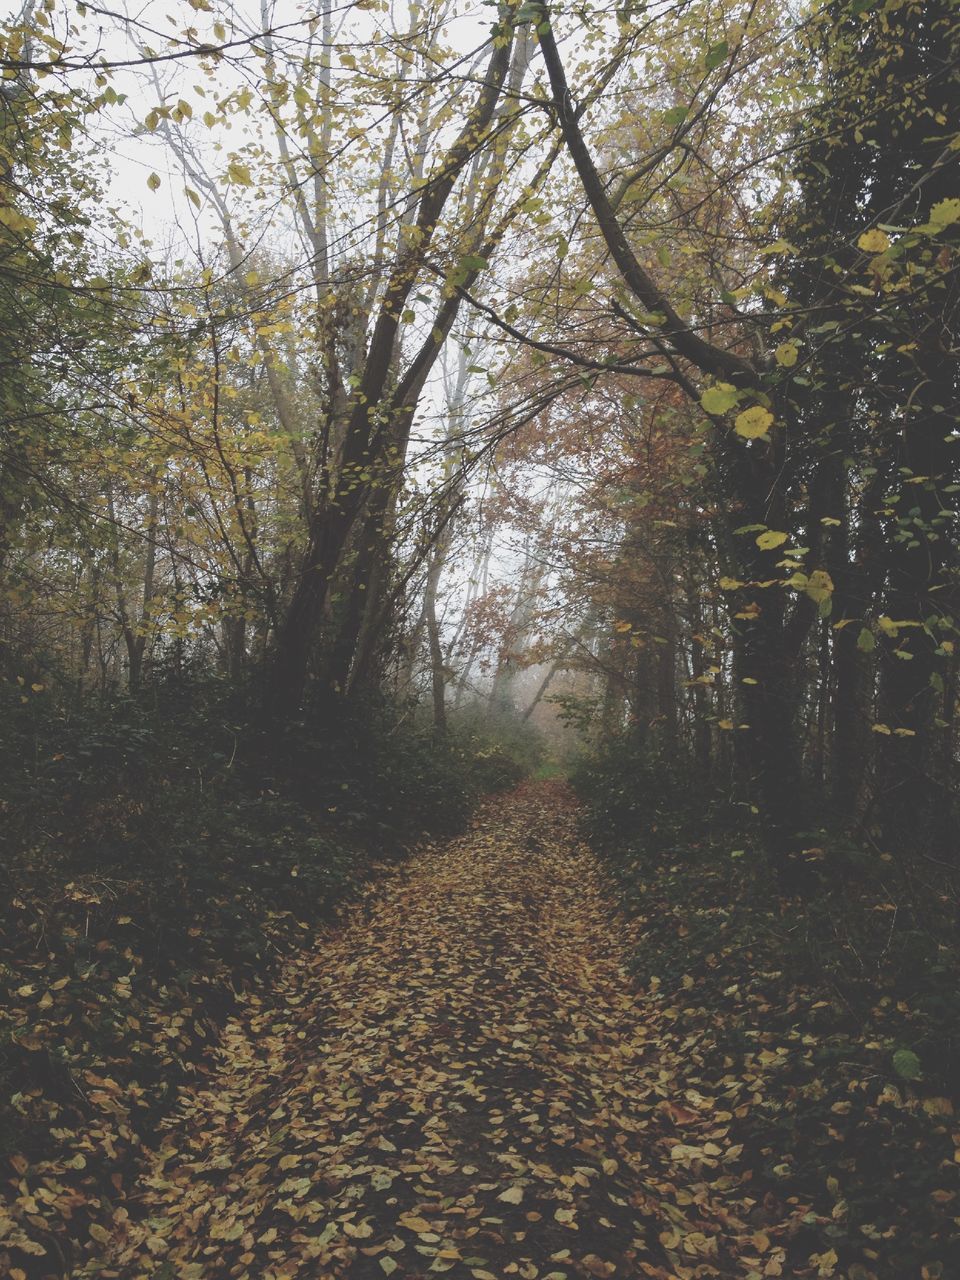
399,399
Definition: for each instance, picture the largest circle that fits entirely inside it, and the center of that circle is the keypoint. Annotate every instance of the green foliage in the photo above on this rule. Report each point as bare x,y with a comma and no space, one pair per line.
497,745
647,799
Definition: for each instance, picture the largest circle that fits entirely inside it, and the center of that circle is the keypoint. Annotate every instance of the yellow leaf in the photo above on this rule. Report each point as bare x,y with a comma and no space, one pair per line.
512,1195
874,241
753,422
730,584
413,1222
786,354
771,539
358,1231
153,182
239,174
826,1263
719,398
945,212
819,586
17,221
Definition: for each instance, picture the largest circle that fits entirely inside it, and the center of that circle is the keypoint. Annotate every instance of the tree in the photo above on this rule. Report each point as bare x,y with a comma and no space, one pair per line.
767,394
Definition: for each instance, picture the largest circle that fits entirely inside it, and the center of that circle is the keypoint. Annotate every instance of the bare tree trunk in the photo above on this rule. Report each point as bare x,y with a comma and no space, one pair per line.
438,680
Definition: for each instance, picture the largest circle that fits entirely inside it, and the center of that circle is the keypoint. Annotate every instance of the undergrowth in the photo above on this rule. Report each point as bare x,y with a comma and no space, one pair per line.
839,1002
160,854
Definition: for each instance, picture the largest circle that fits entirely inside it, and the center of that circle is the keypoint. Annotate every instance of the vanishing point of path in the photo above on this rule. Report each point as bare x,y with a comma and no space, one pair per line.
461,1079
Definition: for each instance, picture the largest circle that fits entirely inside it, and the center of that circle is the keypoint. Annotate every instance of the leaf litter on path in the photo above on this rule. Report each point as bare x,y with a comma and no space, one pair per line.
464,1081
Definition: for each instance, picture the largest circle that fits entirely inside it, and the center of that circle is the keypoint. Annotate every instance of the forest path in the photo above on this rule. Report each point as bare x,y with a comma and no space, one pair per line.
461,1080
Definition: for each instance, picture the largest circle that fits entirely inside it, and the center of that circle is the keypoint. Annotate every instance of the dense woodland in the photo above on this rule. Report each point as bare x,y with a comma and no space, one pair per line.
404,403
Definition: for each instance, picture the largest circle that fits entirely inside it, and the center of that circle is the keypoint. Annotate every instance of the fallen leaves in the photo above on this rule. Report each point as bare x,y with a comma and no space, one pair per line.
465,1080
512,1195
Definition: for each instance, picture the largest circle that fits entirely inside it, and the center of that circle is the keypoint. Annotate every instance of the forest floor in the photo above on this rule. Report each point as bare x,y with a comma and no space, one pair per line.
464,1078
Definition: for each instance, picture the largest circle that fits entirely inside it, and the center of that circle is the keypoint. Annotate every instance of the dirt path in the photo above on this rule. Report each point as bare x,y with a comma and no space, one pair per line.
465,1082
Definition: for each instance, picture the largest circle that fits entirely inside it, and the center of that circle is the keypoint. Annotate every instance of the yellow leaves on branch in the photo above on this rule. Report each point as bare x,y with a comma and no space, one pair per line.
16,221
755,421
818,585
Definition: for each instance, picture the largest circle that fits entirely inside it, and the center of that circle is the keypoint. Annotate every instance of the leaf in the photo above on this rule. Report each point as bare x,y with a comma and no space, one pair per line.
512,1195
716,55
239,174
786,354
944,213
866,640
873,241
906,1064
819,586
388,1266
413,1222
826,1262
719,398
771,539
938,1106
154,181
598,1267
753,422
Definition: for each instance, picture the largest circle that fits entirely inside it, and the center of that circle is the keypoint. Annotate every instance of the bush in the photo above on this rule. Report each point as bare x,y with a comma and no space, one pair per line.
499,747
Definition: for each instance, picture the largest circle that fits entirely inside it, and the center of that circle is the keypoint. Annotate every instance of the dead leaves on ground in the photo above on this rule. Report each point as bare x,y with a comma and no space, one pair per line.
466,1082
